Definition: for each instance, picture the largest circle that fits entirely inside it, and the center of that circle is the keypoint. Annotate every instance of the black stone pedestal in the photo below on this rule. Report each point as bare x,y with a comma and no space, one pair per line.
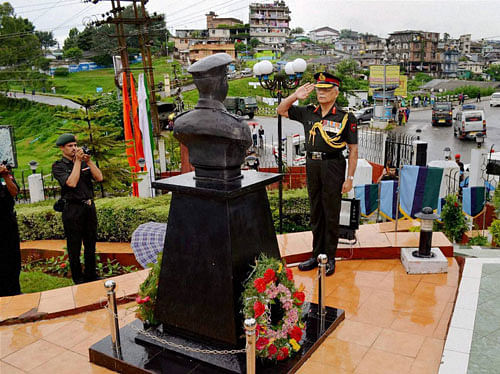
143,355
215,232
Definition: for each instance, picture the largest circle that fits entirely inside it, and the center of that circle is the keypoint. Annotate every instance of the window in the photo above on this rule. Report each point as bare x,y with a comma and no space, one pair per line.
473,117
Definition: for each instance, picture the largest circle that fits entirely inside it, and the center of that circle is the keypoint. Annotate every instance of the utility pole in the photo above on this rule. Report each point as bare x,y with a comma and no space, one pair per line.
143,22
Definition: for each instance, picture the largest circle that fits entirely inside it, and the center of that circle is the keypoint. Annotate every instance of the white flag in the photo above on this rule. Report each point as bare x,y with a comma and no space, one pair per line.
146,126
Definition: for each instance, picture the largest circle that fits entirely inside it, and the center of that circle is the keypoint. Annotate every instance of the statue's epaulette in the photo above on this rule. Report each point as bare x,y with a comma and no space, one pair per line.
235,116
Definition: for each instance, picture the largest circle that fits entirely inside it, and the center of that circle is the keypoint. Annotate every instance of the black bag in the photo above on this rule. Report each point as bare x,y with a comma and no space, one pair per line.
59,205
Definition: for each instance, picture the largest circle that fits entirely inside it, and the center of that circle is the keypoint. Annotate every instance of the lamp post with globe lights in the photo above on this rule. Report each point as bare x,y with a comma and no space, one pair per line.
280,86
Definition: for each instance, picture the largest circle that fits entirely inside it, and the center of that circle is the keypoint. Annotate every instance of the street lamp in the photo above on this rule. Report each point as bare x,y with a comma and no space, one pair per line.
279,86
479,139
33,165
142,163
447,153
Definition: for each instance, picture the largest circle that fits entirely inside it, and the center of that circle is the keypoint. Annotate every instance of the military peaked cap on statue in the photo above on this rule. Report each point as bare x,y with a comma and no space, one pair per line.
65,139
205,65
326,80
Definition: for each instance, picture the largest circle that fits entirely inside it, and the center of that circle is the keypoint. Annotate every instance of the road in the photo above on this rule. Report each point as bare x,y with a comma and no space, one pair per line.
437,137
49,100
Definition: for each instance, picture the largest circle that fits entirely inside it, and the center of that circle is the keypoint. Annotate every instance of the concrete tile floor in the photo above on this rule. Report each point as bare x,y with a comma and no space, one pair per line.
395,323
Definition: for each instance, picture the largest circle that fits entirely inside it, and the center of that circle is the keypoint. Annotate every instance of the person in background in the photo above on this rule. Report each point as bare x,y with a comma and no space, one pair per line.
478,97
75,172
261,136
254,135
10,264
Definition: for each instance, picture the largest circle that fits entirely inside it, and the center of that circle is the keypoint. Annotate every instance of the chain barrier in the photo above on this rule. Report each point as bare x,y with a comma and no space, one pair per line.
185,348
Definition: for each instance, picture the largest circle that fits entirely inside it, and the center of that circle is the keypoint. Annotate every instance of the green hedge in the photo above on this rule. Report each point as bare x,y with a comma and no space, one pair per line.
118,217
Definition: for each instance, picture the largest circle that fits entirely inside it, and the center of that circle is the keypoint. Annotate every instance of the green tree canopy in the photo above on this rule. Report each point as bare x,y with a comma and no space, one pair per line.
74,54
46,38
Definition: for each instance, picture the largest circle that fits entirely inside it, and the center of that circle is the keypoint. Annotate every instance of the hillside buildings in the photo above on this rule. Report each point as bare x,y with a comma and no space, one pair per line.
269,24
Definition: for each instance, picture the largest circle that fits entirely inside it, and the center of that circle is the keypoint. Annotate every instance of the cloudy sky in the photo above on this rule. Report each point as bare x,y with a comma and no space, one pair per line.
479,18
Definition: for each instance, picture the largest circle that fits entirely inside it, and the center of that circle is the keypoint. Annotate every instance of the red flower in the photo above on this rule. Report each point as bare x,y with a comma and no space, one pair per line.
260,284
272,350
139,300
261,343
456,204
258,309
299,298
282,354
269,276
289,274
63,265
295,333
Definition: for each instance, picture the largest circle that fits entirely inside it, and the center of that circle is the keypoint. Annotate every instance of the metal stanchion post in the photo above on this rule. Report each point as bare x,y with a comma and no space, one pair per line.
113,314
322,260
250,325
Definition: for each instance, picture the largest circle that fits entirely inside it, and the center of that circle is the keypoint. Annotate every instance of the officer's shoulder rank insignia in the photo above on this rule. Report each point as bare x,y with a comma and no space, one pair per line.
353,127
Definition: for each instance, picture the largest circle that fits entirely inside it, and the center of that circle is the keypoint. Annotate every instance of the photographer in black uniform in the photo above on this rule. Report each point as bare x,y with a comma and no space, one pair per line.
10,261
75,172
328,130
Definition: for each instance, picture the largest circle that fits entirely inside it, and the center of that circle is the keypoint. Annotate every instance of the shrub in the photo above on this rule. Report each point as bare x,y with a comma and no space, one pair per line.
117,218
454,224
478,240
495,230
61,72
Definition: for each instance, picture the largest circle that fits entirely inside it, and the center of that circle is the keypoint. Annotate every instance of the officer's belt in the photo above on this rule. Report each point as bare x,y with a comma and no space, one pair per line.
324,155
85,202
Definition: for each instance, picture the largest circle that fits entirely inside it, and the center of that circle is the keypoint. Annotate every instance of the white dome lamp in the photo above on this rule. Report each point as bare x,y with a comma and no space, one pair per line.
257,70
289,70
299,67
266,68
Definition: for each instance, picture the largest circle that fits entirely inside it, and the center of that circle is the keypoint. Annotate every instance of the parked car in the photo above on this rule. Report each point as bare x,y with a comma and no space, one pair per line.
364,115
469,123
241,105
442,114
247,72
495,99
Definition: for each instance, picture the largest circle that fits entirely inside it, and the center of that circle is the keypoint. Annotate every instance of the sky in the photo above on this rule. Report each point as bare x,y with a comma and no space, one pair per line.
479,18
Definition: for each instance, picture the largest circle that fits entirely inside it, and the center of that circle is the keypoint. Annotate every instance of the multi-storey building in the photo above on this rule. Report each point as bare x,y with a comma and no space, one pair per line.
464,44
450,58
324,35
270,24
213,21
417,51
371,44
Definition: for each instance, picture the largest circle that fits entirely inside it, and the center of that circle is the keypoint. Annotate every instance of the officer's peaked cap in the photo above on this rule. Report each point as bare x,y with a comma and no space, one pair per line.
326,80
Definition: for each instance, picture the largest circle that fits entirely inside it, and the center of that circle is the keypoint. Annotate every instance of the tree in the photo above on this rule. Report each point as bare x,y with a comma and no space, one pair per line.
254,42
297,30
72,40
346,34
74,54
46,39
446,36
494,72
20,48
101,136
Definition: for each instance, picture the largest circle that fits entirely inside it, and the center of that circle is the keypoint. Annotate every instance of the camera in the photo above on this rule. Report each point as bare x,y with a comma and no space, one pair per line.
86,150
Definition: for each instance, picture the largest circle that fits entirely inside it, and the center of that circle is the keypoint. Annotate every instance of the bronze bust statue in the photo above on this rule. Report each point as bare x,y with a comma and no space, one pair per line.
217,140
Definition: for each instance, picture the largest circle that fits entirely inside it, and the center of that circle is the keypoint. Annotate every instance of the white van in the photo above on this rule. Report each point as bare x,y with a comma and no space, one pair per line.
469,123
495,99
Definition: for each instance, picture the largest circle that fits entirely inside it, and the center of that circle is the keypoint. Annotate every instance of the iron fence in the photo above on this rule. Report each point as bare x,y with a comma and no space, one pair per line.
51,188
399,149
371,144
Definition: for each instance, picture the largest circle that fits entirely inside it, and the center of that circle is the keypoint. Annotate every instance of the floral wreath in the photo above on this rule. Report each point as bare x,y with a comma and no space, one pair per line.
269,292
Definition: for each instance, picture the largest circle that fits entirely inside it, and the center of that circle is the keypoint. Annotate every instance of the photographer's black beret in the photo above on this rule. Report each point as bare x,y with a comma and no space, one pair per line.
65,139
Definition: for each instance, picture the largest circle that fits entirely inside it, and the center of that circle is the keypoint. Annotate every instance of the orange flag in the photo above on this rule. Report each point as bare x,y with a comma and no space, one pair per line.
129,137
139,150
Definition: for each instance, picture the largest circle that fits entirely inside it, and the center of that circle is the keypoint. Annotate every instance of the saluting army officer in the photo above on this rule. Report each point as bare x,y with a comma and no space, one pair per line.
74,172
328,130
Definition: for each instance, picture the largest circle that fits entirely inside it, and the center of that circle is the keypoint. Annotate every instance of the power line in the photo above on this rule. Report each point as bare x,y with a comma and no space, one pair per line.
50,7
180,21
193,20
39,4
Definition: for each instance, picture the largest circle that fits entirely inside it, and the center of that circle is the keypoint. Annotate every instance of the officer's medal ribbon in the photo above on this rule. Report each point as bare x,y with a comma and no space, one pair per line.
330,141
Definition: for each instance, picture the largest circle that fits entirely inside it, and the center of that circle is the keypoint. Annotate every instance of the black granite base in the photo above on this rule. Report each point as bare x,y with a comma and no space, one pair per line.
143,355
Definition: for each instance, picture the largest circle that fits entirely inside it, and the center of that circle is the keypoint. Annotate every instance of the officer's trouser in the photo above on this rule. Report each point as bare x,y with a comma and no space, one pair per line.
10,255
80,225
324,185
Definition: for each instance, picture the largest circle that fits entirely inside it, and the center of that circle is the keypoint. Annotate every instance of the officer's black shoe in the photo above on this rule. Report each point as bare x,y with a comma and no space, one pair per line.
308,264
330,267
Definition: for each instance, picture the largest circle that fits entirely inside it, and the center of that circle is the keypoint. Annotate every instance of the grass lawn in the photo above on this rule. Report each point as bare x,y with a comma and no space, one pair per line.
36,281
